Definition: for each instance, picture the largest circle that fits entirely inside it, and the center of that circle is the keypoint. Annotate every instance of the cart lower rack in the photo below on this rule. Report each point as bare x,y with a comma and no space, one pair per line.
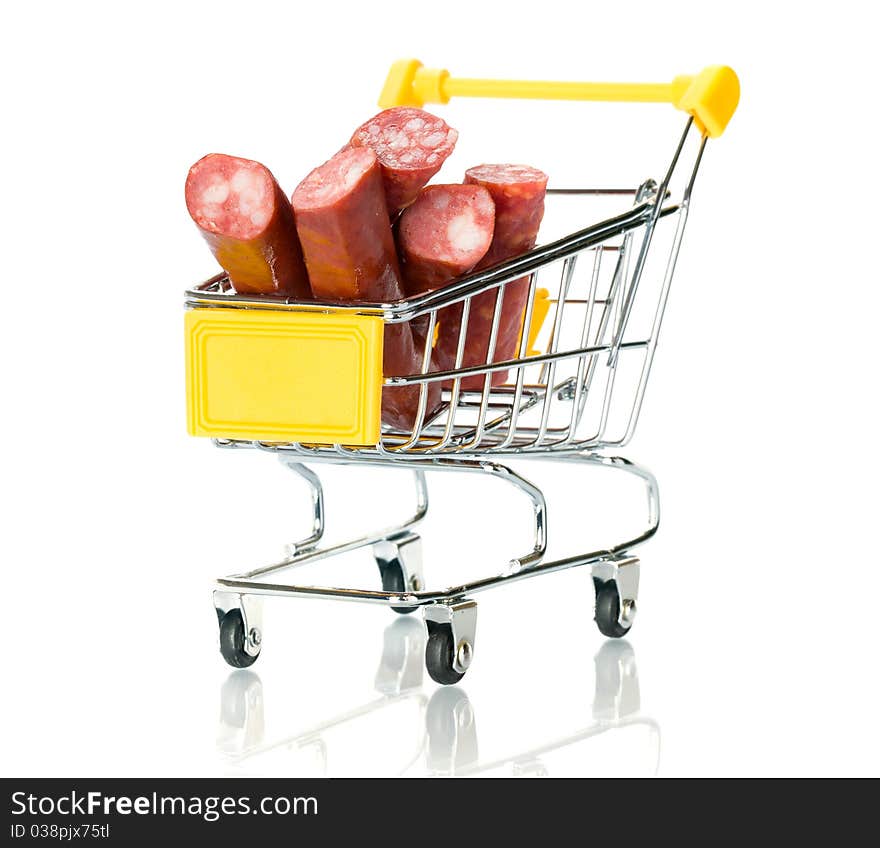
596,300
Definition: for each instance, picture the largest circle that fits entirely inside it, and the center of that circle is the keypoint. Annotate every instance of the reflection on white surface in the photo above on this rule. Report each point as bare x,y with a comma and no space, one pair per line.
403,731
241,712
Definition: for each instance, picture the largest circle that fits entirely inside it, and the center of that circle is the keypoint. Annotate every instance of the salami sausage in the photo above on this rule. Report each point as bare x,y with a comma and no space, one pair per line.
343,225
518,192
247,221
444,234
411,145
346,238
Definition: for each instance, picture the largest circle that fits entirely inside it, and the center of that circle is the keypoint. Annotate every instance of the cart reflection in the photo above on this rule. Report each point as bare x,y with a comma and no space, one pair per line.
438,735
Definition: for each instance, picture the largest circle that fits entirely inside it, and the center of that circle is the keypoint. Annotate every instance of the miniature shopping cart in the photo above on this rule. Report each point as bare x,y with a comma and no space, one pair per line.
588,336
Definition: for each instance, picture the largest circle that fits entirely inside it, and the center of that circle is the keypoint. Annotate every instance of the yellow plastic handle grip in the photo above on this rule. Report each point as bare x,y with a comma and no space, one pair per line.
711,96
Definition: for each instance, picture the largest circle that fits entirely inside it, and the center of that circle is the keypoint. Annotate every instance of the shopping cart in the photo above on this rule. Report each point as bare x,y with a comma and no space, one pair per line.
588,336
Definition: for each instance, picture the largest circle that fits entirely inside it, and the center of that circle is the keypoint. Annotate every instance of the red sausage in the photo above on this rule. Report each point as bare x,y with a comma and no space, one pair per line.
411,145
346,238
444,234
247,221
518,192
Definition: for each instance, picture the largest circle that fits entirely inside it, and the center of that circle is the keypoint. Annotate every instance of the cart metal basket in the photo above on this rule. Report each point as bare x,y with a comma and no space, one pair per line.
589,332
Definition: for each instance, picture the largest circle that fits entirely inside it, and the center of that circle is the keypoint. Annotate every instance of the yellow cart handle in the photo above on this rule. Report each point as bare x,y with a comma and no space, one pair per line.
711,96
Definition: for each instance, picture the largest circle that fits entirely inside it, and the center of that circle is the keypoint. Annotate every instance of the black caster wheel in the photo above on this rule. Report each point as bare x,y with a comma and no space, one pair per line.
608,610
232,640
394,580
440,653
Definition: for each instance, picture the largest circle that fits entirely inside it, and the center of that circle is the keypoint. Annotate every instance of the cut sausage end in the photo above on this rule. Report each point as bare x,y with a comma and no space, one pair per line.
229,196
449,223
407,138
506,175
330,182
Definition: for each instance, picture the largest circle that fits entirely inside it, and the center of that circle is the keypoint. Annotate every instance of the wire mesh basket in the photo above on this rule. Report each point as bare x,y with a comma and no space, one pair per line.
585,348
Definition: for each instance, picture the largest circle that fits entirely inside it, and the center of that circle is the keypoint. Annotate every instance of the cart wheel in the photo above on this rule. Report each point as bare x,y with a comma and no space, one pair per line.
394,580
439,655
608,610
232,639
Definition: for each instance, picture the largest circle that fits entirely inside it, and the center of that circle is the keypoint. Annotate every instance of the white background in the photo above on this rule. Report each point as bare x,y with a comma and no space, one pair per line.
756,643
